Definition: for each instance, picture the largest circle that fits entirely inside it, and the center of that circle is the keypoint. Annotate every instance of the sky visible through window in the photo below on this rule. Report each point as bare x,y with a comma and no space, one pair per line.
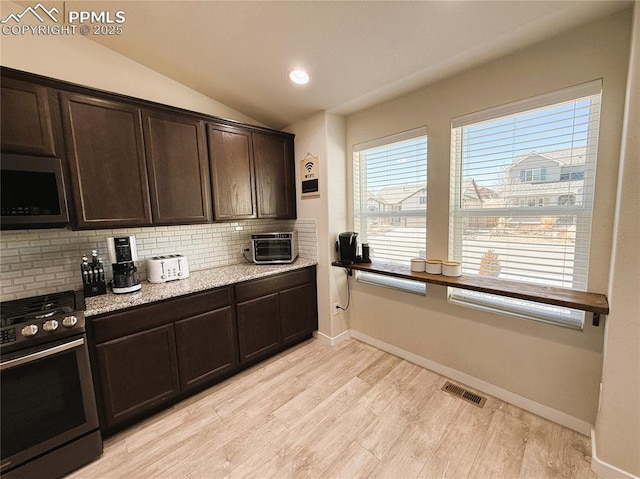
399,163
490,147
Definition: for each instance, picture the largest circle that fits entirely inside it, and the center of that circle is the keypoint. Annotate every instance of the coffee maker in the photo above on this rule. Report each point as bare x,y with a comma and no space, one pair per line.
122,252
347,246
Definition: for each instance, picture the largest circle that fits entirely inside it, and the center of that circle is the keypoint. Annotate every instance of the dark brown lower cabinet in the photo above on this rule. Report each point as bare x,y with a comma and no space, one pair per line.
258,327
275,312
298,313
206,347
148,357
137,372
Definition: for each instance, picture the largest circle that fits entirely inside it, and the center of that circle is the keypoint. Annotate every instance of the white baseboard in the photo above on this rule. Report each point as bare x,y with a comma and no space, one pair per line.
554,415
332,341
604,469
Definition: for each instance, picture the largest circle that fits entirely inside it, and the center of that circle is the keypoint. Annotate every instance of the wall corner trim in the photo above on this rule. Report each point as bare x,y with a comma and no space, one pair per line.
546,412
604,469
332,341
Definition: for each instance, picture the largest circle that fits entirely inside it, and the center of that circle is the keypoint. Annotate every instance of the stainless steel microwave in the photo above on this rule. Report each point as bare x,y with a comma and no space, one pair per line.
33,192
274,248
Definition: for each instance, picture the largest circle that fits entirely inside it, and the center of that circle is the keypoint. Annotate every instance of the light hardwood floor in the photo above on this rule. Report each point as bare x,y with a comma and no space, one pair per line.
348,411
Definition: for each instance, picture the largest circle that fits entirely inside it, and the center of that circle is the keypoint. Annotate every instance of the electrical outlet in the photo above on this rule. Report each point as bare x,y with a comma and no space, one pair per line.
336,309
245,249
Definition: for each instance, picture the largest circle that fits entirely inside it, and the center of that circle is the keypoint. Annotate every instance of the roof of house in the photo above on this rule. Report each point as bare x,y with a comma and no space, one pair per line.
566,157
392,195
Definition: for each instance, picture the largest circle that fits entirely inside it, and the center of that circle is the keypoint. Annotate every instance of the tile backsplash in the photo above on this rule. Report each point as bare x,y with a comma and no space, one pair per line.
34,262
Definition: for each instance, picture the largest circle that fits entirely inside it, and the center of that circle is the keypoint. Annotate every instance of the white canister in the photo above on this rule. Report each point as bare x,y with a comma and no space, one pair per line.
417,265
433,266
451,268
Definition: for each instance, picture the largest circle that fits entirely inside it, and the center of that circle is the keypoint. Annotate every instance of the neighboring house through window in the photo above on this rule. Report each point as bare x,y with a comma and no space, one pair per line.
390,182
522,183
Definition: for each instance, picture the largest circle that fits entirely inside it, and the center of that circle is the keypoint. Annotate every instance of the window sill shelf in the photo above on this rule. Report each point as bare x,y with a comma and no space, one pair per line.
593,302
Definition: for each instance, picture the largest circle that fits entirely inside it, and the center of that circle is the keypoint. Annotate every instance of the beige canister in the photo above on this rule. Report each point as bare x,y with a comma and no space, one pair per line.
417,265
433,266
451,268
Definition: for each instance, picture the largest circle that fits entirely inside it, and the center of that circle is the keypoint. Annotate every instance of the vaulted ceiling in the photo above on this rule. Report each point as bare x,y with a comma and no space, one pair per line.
358,53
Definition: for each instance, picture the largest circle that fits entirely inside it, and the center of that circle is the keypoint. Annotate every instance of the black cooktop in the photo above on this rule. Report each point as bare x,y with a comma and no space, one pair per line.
40,307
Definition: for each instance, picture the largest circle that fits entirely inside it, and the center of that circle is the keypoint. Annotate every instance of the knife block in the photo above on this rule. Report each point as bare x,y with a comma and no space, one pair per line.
95,288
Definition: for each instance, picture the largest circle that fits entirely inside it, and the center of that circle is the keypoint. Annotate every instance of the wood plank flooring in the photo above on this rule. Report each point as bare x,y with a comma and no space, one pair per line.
348,411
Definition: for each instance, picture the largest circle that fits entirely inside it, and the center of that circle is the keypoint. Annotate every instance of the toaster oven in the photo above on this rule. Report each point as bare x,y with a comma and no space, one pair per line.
274,248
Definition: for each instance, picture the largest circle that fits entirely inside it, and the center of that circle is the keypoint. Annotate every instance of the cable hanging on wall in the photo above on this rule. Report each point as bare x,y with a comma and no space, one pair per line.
349,273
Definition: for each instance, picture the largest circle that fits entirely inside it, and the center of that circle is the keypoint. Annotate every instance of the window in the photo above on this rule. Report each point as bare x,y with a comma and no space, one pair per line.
533,201
536,220
391,174
534,175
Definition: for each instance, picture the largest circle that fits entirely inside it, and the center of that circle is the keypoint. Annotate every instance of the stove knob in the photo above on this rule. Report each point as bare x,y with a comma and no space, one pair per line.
50,325
29,330
69,321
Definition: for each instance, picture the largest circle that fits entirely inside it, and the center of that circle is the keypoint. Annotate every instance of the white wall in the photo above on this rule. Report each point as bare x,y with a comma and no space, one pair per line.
617,430
322,135
77,59
549,367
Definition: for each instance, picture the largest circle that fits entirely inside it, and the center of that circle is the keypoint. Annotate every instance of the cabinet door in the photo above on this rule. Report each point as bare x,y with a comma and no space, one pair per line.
206,346
106,161
258,327
298,313
178,168
232,184
275,176
137,372
26,120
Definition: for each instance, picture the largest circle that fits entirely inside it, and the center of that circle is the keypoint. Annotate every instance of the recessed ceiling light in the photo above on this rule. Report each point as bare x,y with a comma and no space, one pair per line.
299,76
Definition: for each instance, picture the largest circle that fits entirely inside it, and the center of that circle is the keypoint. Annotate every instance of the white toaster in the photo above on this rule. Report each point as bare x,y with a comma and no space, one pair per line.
168,267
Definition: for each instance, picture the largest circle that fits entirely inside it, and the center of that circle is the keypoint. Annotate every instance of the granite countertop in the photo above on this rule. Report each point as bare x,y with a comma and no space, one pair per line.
198,281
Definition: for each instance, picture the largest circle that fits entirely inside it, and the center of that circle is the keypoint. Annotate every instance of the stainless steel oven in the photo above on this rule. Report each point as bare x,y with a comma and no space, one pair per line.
269,248
49,417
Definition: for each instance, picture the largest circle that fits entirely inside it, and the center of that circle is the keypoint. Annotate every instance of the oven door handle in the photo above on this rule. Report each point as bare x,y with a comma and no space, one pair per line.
12,363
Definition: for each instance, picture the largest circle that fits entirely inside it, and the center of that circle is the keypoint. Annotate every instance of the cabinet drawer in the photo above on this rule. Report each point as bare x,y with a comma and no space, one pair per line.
261,287
115,325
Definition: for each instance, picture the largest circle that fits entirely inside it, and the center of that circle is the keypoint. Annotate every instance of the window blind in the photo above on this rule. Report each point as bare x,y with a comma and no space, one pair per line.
521,201
390,197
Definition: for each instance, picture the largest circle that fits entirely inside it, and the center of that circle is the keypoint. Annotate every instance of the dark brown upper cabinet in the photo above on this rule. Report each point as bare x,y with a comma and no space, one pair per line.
105,154
129,162
232,176
275,175
26,120
176,157
252,173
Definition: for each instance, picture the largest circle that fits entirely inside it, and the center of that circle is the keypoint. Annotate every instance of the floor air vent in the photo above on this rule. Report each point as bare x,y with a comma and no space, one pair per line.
464,394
